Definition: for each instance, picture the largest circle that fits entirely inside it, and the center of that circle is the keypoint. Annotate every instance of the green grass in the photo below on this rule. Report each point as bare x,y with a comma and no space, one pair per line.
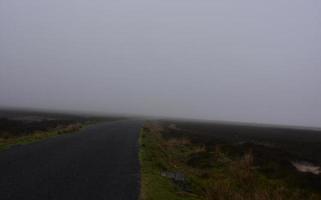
6,143
153,161
212,173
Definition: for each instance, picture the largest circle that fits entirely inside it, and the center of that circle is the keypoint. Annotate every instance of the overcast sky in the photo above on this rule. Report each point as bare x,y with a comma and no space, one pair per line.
249,60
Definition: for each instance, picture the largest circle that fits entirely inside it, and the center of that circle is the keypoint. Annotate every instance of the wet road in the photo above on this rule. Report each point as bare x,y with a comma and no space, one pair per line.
99,162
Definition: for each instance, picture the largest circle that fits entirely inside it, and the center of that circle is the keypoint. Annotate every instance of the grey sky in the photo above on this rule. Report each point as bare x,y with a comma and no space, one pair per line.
249,60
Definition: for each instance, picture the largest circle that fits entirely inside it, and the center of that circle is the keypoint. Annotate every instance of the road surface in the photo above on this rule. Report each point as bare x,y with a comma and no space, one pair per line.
99,162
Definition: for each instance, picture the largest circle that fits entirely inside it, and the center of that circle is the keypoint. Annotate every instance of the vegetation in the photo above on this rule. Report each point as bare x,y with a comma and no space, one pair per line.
26,125
153,160
8,140
10,128
217,170
23,127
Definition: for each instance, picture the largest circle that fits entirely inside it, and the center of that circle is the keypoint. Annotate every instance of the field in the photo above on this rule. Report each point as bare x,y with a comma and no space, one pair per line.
19,127
197,160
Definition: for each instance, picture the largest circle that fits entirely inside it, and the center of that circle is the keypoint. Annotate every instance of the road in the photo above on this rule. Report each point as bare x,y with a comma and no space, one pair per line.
99,162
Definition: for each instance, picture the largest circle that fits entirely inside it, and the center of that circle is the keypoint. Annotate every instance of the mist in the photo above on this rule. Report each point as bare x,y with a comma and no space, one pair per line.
248,61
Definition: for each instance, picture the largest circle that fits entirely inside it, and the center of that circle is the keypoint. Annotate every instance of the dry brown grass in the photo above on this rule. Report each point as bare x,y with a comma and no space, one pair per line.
199,149
153,127
178,142
229,177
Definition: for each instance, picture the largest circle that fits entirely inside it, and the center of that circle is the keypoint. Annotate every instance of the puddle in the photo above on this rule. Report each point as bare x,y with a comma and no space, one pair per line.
307,167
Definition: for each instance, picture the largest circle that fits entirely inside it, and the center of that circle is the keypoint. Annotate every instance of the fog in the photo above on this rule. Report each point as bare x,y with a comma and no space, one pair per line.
249,61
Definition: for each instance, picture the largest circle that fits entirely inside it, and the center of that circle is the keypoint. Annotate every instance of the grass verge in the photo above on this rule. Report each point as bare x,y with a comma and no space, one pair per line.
211,172
153,161
6,143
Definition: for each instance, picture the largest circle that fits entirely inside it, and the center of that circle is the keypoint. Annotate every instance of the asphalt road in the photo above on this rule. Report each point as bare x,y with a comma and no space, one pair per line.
99,162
